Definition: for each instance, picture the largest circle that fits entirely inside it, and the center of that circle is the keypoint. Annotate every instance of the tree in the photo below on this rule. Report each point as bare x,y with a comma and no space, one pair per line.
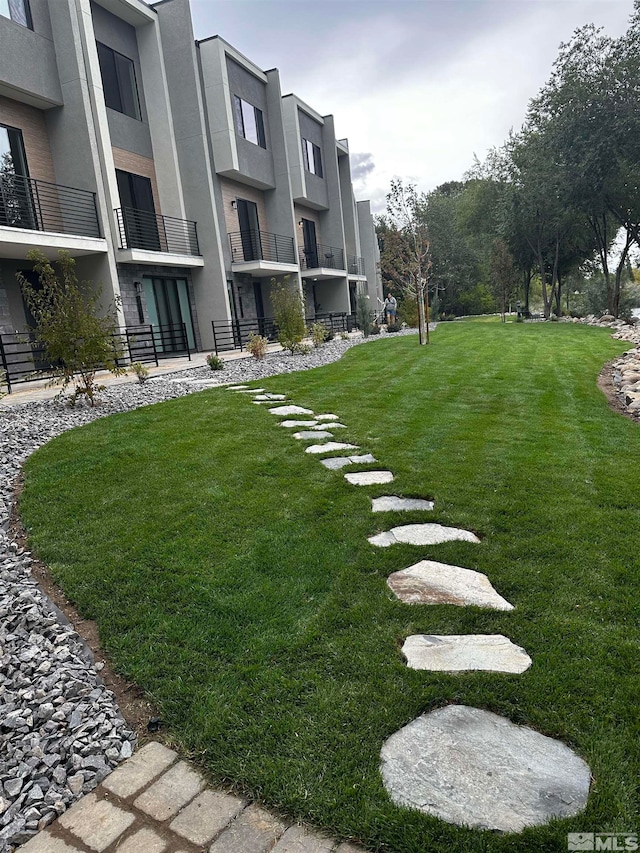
503,275
405,256
288,312
77,339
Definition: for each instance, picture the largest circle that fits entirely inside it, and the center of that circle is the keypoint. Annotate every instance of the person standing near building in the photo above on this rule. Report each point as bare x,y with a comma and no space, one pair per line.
390,309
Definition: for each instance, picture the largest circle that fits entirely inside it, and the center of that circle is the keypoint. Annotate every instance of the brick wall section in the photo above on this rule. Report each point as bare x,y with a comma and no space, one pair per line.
130,273
232,190
31,122
126,161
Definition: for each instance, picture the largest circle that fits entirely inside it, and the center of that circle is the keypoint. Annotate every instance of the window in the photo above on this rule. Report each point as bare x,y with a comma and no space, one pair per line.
249,122
18,11
118,81
312,157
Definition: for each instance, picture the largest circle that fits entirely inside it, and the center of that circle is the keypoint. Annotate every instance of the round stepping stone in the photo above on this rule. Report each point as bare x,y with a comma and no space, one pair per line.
332,425
307,434
474,768
327,417
330,447
368,478
391,503
421,534
263,397
459,653
285,411
291,424
429,582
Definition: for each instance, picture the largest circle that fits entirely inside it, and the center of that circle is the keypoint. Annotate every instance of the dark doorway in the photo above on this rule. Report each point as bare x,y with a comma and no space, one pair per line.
249,230
30,321
310,243
16,202
138,211
353,295
257,295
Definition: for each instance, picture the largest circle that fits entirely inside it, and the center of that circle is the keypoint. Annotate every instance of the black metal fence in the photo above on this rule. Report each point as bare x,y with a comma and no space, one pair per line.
41,206
22,358
319,255
140,229
253,245
234,334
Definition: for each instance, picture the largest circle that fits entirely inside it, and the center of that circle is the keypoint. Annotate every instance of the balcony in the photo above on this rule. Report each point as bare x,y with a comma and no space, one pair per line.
262,254
40,215
147,237
320,261
355,267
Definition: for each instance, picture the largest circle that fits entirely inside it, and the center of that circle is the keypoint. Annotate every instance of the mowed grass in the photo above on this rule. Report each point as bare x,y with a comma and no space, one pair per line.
231,577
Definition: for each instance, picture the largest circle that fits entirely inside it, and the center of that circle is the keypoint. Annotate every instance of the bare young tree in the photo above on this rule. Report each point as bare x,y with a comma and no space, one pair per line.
405,257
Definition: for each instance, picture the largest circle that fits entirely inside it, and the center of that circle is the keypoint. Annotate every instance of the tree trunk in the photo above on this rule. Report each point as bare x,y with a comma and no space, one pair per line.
528,275
617,289
421,320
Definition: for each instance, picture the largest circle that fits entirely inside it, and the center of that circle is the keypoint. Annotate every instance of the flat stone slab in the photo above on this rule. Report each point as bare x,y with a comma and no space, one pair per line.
250,390
291,424
330,447
332,425
262,397
429,582
307,434
236,387
460,653
391,503
368,478
421,534
285,411
336,462
327,417
474,768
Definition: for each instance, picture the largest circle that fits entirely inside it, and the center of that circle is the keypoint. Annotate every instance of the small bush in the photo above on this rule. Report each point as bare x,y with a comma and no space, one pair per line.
215,362
257,346
519,318
328,335
373,329
303,349
344,336
394,327
363,312
318,333
408,312
288,311
141,372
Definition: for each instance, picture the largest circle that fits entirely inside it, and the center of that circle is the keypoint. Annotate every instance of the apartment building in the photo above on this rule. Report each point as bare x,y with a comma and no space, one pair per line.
173,171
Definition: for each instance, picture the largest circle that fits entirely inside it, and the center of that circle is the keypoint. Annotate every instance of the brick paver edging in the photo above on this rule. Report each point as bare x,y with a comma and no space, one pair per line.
156,803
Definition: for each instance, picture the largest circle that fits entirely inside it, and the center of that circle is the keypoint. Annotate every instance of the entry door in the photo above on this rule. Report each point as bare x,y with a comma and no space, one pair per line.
39,363
16,202
310,243
249,229
168,306
138,211
353,296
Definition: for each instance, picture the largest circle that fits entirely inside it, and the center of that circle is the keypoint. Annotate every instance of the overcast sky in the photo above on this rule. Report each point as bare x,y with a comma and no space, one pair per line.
417,86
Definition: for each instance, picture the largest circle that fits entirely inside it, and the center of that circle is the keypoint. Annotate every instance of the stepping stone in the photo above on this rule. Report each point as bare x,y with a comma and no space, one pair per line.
263,397
428,582
330,446
391,503
459,653
332,425
236,387
313,435
291,424
285,411
336,462
250,391
368,478
326,417
421,534
474,768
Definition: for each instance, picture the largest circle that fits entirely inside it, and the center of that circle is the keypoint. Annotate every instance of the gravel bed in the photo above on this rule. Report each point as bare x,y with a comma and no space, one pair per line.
61,731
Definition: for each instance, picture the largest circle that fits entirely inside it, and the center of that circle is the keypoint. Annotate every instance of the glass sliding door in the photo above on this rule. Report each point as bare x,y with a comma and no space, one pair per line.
138,212
170,313
16,202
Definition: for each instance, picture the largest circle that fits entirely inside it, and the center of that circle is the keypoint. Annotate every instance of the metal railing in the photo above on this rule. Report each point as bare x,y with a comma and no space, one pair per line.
140,229
41,206
312,257
234,334
22,358
355,265
253,245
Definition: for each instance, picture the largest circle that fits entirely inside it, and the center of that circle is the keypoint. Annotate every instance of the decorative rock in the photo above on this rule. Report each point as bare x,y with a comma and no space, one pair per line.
285,411
237,387
391,503
421,534
251,391
332,425
429,582
458,653
326,417
291,424
336,462
473,768
308,434
368,478
330,447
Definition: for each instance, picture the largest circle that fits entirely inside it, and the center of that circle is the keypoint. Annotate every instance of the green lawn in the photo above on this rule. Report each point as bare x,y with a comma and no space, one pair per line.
231,577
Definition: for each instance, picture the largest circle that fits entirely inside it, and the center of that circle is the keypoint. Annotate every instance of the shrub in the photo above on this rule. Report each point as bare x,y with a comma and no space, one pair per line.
519,318
288,311
363,313
394,327
408,312
215,362
318,333
344,336
303,349
75,337
257,345
141,372
373,329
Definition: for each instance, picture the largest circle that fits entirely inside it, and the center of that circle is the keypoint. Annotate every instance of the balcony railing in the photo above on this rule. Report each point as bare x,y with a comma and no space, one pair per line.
312,257
254,245
41,206
140,229
234,334
355,265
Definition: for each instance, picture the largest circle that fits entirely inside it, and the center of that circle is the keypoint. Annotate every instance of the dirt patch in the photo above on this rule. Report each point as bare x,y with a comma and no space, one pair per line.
614,399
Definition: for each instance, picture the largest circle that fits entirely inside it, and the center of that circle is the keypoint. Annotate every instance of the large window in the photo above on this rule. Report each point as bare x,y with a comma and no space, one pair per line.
312,157
249,121
17,10
118,81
